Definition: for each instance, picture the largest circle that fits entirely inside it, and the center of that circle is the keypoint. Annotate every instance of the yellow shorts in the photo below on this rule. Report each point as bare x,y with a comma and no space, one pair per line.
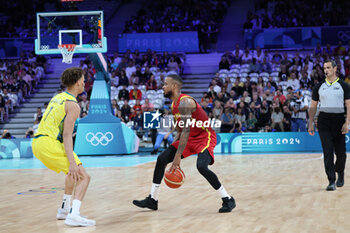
52,154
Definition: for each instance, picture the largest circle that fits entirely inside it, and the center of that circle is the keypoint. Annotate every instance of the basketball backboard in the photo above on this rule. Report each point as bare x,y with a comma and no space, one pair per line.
85,29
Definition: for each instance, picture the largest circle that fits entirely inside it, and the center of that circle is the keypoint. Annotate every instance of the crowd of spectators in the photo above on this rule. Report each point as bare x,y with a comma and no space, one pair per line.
181,15
174,16
18,79
291,13
18,18
269,91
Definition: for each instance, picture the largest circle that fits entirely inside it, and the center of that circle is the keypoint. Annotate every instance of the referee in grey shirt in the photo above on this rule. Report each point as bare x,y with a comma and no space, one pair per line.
332,93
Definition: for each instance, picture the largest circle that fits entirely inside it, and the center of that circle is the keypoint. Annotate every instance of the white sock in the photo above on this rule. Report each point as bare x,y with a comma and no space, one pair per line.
75,210
223,192
154,191
66,201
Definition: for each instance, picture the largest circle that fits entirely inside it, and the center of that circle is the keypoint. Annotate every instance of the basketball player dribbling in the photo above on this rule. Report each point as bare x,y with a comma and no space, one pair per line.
190,140
53,146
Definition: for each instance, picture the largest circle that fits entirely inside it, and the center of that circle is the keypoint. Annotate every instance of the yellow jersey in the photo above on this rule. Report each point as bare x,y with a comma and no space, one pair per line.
51,123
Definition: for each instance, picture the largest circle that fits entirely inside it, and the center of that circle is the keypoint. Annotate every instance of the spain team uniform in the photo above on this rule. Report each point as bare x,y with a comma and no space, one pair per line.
48,144
200,138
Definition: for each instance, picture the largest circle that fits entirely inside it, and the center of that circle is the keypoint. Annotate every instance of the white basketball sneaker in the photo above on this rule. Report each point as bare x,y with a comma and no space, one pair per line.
62,214
78,221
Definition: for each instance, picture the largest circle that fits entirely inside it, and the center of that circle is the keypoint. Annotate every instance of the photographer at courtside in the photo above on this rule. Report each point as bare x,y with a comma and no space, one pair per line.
299,106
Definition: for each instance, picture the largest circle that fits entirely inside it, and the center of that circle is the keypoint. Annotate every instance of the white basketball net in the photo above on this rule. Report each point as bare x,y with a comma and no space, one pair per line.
67,51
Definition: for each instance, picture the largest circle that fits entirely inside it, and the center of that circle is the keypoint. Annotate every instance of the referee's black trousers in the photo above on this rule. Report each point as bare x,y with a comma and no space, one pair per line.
329,128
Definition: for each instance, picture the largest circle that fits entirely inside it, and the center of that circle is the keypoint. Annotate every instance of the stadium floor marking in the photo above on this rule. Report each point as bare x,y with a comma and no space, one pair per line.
134,160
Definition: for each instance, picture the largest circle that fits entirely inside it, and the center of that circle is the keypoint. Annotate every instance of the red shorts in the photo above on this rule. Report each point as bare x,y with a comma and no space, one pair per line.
199,143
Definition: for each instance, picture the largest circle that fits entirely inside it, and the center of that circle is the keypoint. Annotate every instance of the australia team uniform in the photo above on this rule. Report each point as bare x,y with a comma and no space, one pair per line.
48,144
200,138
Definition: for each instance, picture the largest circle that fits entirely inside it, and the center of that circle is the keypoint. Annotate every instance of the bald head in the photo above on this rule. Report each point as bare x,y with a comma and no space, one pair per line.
172,85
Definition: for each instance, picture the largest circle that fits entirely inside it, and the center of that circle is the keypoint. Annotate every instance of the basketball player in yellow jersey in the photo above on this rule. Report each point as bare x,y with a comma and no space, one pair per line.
53,146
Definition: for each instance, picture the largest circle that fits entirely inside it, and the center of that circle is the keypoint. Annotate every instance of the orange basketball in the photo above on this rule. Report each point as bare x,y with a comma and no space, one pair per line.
174,179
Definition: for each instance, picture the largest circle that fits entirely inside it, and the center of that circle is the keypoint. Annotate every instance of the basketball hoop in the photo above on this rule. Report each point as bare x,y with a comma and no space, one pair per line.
67,51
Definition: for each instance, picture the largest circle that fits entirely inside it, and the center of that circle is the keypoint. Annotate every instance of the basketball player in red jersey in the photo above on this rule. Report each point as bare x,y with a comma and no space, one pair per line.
190,140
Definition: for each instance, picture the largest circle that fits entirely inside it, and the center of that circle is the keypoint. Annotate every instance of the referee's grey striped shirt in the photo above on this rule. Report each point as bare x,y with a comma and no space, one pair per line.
331,96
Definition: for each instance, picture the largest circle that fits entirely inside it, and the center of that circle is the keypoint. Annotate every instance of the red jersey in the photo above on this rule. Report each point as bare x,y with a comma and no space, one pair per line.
135,94
201,136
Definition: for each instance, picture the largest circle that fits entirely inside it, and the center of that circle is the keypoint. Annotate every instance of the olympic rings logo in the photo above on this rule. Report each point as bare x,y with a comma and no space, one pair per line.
99,138
344,35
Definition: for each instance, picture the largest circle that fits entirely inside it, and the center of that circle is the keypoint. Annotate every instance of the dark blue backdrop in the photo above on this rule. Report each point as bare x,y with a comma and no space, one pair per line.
296,37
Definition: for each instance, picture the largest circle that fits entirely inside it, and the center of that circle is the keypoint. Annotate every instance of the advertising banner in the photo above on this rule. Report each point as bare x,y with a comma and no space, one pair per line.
160,42
270,142
102,139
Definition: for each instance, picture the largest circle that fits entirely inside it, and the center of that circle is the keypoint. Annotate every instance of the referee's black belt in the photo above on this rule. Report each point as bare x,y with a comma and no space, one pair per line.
332,114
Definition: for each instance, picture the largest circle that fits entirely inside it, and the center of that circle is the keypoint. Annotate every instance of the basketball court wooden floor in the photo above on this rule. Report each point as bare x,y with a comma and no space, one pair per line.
274,193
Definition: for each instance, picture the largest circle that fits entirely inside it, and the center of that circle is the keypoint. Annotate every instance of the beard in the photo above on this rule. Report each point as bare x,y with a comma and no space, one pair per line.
168,95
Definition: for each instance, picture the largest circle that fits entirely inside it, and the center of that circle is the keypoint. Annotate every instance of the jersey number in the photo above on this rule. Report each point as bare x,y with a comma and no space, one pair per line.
48,113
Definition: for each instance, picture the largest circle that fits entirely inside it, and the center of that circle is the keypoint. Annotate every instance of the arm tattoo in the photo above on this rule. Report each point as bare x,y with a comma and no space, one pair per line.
186,108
